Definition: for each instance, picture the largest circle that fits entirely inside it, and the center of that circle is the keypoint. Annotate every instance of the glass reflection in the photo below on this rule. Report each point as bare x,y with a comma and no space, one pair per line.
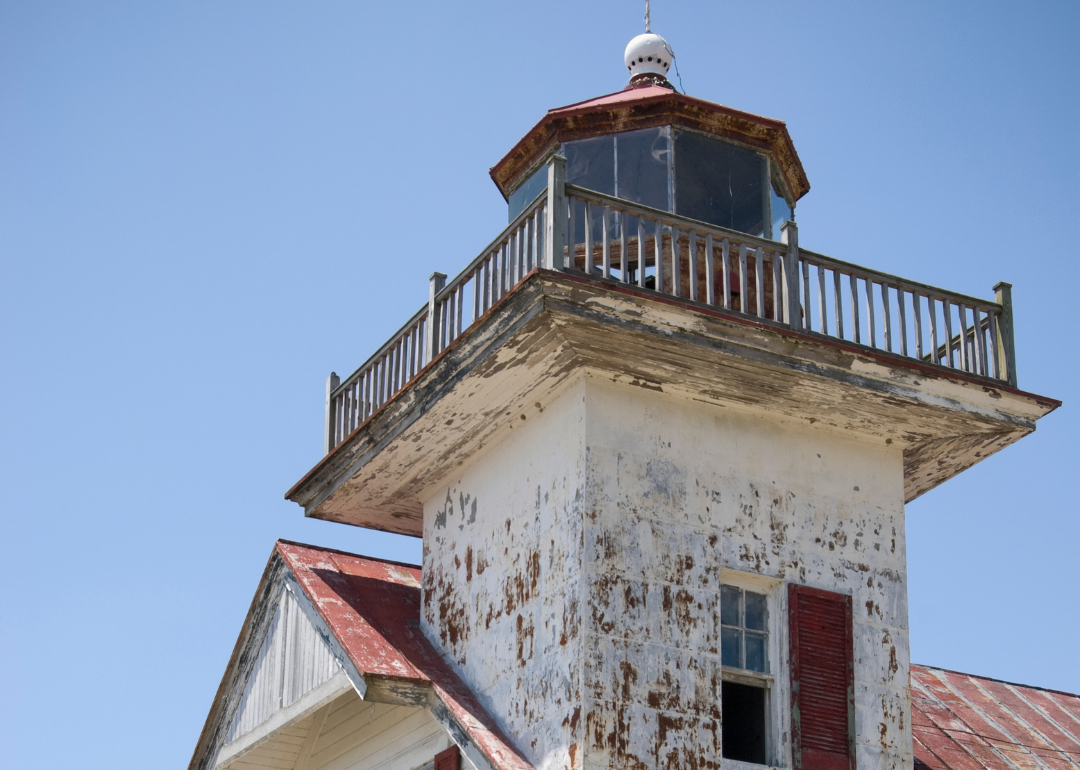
719,183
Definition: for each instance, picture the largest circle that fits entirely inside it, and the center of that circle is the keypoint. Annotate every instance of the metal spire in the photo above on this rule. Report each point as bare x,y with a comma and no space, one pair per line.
648,21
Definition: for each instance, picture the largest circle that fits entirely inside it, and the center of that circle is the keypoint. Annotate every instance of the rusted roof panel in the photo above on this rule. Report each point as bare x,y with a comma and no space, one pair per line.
373,608
965,722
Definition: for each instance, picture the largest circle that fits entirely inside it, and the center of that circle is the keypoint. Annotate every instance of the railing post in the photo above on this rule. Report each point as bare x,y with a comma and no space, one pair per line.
431,329
555,214
789,234
1004,349
332,383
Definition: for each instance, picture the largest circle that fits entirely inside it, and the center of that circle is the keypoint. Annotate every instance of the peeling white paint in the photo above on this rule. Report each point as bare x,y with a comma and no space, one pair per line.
572,572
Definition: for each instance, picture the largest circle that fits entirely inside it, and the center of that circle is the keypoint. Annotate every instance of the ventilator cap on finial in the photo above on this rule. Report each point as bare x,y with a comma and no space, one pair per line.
648,54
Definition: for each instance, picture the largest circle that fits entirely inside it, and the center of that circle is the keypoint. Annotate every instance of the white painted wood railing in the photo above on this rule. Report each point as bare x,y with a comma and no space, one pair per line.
774,283
452,307
778,283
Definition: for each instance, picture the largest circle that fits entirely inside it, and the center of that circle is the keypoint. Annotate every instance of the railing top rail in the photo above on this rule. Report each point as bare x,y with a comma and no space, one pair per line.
347,381
464,274
892,280
676,219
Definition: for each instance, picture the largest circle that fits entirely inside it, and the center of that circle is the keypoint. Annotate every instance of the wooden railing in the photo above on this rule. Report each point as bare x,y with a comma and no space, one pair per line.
780,284
452,307
773,282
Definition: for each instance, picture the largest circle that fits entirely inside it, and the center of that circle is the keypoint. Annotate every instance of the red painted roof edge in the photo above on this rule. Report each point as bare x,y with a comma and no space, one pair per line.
282,541
992,679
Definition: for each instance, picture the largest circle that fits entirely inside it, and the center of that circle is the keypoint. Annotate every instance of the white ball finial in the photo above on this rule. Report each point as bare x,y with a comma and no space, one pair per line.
648,54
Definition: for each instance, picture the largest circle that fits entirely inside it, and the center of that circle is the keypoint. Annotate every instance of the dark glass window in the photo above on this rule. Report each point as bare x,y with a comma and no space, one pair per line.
719,183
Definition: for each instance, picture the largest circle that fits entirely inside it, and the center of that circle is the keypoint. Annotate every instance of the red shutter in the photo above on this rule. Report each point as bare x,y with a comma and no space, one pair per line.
822,679
447,760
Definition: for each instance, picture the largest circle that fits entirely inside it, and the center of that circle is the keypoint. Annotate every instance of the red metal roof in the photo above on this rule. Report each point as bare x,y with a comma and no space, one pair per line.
373,608
965,722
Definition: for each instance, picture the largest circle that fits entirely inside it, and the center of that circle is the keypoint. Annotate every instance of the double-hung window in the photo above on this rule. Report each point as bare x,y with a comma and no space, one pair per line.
744,655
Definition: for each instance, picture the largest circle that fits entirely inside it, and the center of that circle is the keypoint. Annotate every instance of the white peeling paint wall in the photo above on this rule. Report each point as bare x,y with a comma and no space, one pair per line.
501,579
572,573
679,492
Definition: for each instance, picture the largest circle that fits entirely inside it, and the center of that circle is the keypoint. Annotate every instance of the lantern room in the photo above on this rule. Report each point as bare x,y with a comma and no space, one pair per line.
652,146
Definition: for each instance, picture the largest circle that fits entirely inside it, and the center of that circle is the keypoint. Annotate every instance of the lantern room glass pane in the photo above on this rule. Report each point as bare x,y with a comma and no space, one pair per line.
643,164
781,212
527,191
719,183
590,163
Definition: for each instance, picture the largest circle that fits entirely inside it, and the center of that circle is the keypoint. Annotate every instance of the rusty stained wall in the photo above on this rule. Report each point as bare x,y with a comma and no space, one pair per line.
501,578
572,573
678,492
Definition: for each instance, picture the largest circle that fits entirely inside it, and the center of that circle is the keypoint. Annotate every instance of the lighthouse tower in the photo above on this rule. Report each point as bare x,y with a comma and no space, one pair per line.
658,453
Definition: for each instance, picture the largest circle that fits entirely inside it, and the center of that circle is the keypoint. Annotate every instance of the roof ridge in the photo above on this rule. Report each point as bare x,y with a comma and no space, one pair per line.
338,551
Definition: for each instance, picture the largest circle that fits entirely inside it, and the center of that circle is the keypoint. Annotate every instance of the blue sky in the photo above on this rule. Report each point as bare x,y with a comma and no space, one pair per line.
202,209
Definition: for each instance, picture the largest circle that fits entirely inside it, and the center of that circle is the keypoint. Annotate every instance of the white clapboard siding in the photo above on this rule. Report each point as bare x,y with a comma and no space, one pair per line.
377,736
292,661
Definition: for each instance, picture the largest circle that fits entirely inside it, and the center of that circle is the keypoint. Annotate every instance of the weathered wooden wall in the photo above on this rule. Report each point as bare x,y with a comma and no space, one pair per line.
293,660
572,572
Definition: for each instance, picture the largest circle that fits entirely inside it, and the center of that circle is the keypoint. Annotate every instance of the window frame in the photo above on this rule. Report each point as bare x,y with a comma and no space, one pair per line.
774,683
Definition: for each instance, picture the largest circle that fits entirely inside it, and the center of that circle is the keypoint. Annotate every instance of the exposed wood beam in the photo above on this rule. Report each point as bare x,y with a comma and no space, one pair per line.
317,722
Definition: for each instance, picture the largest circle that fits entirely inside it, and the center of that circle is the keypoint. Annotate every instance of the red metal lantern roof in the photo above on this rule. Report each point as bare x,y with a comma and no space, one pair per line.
648,106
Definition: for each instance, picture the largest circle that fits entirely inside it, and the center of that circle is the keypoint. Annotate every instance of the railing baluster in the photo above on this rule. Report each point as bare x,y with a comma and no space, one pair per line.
806,295
658,255
759,281
641,252
743,282
902,305
624,258
966,359
870,313
676,277
995,351
856,331
916,304
980,343
605,231
932,318
823,308
571,234
886,317
459,300
725,263
588,239
838,303
710,271
946,311
1004,345
691,257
